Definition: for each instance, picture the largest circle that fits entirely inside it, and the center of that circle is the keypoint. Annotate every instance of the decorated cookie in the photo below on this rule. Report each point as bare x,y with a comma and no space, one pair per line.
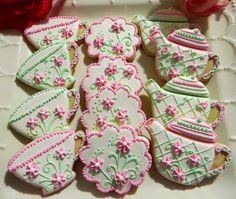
51,66
168,20
183,96
111,73
112,37
56,30
47,162
113,107
115,158
183,53
186,151
45,112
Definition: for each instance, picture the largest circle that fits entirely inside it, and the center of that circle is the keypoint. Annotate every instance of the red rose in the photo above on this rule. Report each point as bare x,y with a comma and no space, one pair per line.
22,13
202,8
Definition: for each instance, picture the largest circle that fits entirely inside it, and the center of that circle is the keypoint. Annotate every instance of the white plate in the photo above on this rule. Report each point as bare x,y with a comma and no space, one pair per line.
221,30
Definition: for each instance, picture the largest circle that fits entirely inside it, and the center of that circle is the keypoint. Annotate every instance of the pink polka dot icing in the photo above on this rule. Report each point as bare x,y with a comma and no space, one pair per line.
112,37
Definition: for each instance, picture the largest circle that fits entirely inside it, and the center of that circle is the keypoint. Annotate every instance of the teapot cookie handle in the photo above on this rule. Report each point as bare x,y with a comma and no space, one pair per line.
220,165
73,93
79,142
75,55
210,71
218,108
83,29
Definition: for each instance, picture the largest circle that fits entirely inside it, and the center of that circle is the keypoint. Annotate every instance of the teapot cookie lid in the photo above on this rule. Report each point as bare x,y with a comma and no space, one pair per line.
186,86
168,15
194,128
191,38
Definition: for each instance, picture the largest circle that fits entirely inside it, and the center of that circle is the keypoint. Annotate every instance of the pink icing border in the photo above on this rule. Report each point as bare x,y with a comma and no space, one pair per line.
114,92
38,154
135,139
74,19
135,47
99,63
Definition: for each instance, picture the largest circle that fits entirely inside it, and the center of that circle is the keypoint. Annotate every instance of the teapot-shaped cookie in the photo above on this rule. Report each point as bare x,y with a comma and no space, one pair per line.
183,96
186,151
167,19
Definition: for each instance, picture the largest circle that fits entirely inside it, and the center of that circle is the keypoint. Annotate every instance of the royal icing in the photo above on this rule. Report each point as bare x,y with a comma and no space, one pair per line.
44,112
112,37
55,30
168,20
47,162
183,96
183,159
115,159
187,57
111,73
51,66
113,107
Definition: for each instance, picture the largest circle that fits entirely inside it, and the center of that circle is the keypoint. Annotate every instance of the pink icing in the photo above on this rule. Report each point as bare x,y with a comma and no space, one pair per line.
178,148
101,81
121,177
99,42
165,50
179,174
32,169
38,77
117,27
101,121
124,144
171,110
58,179
178,55
59,111
194,159
32,122
66,32
61,152
58,60
47,39
43,113
204,105
154,30
108,103
118,48
166,161
59,81
129,71
116,85
111,69
173,72
122,115
96,164
160,95
190,84
193,67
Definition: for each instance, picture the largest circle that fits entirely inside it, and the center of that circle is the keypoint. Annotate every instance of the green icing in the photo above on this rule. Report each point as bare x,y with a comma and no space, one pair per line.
193,126
190,35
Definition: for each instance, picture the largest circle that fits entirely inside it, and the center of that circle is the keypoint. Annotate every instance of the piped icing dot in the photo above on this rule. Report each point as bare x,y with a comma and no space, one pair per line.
191,38
187,86
193,128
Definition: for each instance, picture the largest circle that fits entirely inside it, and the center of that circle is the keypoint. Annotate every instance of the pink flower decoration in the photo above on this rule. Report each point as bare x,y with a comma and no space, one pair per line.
203,105
171,110
178,55
129,71
121,177
43,113
58,179
101,121
116,85
99,42
96,164
193,67
32,169
47,39
61,152
111,69
173,72
118,48
32,122
154,30
66,32
179,174
108,103
59,111
101,81
165,50
122,115
38,77
177,147
124,144
160,96
59,81
166,161
58,60
117,27
194,159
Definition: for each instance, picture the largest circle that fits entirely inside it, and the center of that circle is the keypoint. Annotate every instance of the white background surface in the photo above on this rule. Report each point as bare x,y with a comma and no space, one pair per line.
14,49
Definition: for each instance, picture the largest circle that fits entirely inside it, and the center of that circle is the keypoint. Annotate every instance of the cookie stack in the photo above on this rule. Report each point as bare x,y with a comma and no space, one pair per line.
113,150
